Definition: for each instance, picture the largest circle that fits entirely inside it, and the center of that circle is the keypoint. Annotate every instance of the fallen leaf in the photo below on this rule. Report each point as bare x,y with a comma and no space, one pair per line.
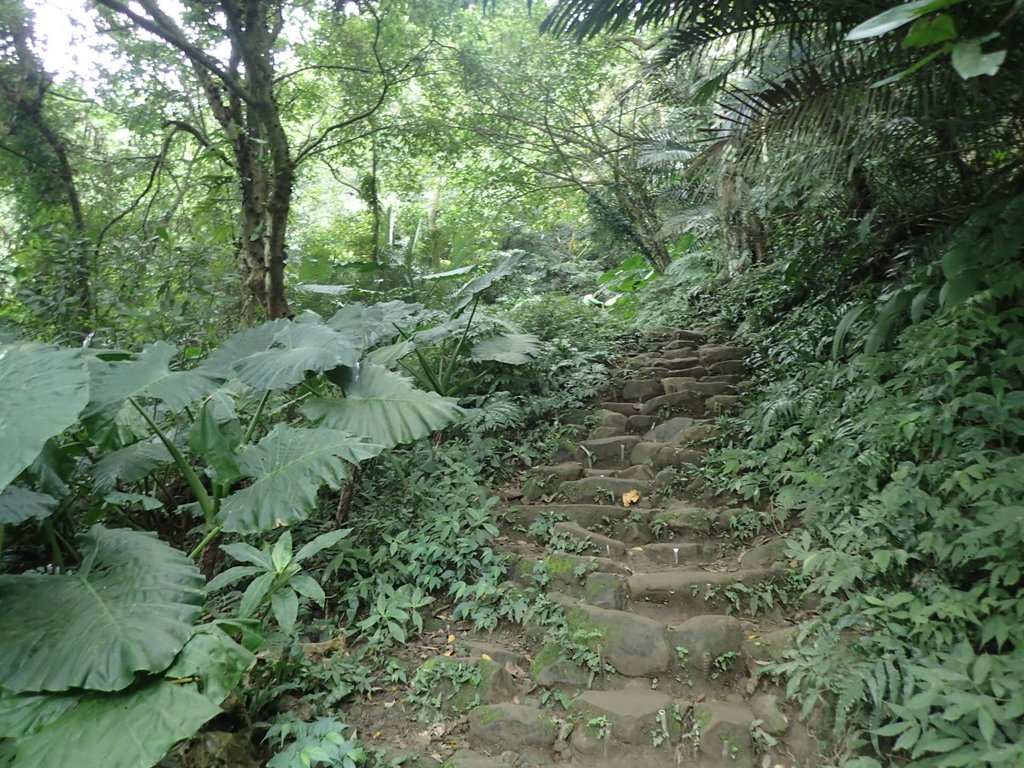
629,498
378,735
485,657
448,652
638,549
451,638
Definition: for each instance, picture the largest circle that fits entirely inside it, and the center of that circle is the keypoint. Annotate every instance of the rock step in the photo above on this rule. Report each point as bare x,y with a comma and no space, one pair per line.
605,545
584,515
696,591
591,490
607,452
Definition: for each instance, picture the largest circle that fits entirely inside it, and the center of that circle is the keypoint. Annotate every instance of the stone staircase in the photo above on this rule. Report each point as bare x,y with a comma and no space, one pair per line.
666,620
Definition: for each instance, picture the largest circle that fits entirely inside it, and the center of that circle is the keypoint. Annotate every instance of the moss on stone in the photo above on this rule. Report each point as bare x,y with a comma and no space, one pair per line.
559,566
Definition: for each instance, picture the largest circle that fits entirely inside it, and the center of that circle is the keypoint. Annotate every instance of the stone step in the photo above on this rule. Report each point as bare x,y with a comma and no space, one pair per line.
690,384
584,515
709,647
466,758
728,367
544,480
591,490
634,645
639,423
604,545
714,353
725,734
676,363
515,727
658,456
653,373
696,591
686,403
637,472
606,418
626,409
621,716
719,404
679,552
639,390
666,333
607,452
669,431
682,519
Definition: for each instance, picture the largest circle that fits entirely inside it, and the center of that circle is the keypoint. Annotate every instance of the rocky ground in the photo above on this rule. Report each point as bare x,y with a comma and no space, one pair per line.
666,619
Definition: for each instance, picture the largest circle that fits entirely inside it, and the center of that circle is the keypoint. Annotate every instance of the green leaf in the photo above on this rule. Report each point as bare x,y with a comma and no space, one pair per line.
213,657
149,375
510,348
221,362
133,729
44,390
982,668
931,30
117,499
129,464
969,60
285,605
288,467
230,576
385,408
320,543
19,504
21,715
890,313
281,554
986,725
129,608
296,349
389,356
217,443
468,292
839,338
307,586
255,594
245,553
894,18
376,323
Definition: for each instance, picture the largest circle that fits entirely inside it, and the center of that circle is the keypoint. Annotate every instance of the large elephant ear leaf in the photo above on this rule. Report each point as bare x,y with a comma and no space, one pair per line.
214,659
149,374
511,348
465,295
288,467
129,608
43,391
377,323
129,464
19,504
278,355
385,408
130,729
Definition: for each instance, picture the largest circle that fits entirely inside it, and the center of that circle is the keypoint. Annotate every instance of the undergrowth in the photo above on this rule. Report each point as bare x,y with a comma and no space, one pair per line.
900,454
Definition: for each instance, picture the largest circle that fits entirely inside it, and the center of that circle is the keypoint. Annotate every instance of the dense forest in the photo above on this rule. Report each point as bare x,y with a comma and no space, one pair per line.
482,383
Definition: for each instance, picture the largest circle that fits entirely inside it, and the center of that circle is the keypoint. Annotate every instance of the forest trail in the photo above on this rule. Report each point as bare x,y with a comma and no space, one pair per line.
667,618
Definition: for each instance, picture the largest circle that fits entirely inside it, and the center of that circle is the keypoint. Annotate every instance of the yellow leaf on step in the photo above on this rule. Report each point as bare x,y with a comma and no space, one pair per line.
485,657
451,638
638,549
629,498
